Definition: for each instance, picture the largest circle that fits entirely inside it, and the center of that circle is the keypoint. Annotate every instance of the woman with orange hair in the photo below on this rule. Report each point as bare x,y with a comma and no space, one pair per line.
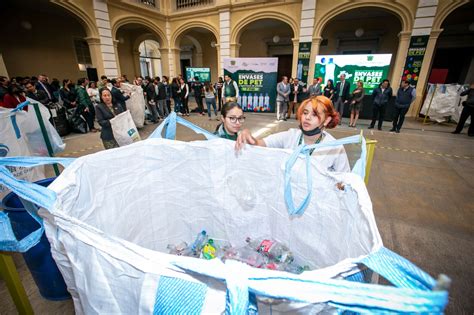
315,115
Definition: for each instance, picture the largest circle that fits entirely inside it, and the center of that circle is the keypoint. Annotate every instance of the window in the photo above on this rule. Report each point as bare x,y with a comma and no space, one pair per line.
83,53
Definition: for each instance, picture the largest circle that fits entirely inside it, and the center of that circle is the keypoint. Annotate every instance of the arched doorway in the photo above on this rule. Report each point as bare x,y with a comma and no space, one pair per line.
268,38
139,50
453,61
360,31
41,37
198,48
150,59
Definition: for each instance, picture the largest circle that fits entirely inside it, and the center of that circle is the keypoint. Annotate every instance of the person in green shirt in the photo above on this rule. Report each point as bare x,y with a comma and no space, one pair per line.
232,117
84,107
230,90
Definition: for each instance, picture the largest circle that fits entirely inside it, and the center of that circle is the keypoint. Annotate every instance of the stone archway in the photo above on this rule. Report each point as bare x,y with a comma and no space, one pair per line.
403,13
27,38
196,46
128,34
240,25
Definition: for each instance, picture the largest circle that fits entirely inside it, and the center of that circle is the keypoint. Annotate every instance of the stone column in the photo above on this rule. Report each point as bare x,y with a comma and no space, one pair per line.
165,62
294,68
175,56
101,13
314,52
136,63
97,56
224,38
235,49
399,64
116,43
198,60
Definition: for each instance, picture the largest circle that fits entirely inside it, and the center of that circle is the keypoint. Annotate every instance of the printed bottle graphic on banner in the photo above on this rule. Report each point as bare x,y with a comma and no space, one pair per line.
266,102
260,102
330,70
299,72
250,102
255,102
243,103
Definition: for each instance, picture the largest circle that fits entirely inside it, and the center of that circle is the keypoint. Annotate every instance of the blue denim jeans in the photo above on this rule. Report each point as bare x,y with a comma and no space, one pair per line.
177,104
209,102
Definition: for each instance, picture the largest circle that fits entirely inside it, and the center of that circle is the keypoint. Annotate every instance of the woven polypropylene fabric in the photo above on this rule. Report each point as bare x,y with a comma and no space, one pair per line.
177,296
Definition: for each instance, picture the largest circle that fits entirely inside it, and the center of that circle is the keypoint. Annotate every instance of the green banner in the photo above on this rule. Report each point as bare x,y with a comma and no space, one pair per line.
257,79
304,54
370,69
204,74
415,55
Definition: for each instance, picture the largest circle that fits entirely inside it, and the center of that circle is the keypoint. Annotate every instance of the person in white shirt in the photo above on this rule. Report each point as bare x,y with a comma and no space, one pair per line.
315,115
93,93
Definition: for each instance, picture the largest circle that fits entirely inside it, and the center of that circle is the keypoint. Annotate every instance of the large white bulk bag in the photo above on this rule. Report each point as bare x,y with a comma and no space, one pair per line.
114,212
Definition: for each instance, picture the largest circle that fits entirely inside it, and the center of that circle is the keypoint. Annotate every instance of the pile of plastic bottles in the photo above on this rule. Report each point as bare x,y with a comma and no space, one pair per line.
260,253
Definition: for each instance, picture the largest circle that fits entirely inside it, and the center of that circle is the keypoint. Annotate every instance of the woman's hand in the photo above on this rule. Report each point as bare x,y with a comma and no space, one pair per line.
244,137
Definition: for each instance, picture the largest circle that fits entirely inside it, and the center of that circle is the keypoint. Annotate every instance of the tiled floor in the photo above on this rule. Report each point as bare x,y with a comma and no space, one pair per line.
421,187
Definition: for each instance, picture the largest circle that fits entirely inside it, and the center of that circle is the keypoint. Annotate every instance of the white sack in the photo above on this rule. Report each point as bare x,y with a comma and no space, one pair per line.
109,229
136,103
124,129
10,145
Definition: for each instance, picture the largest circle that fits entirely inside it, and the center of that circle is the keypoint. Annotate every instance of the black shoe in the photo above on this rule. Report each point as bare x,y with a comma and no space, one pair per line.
379,128
397,131
371,127
392,130
284,119
456,132
470,134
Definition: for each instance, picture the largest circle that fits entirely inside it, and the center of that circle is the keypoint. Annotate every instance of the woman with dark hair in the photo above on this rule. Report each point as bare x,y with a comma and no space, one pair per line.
218,87
232,117
183,93
210,96
68,94
381,96
105,111
175,96
315,115
356,103
15,96
329,89
168,92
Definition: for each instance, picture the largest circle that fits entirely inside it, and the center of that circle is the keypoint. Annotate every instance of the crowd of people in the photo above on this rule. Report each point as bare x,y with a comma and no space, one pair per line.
103,100
290,93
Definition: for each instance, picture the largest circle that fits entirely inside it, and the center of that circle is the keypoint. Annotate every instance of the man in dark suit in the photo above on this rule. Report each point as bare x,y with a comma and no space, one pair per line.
117,94
341,95
151,100
43,85
37,95
296,93
160,97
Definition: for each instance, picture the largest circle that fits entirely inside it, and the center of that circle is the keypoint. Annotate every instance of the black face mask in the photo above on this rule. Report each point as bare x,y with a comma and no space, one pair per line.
310,133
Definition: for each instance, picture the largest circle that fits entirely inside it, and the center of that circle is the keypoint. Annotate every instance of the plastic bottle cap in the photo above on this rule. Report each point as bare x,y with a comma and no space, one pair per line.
211,241
203,232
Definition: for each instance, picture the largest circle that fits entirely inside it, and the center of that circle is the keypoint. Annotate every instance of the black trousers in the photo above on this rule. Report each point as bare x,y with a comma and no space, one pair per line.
466,112
378,112
219,100
198,99
399,117
185,109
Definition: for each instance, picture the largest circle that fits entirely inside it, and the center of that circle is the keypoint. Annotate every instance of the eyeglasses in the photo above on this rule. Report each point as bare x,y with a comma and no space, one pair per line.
234,119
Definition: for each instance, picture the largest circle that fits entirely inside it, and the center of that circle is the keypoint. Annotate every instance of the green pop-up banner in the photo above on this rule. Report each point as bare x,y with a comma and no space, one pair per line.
257,79
370,69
